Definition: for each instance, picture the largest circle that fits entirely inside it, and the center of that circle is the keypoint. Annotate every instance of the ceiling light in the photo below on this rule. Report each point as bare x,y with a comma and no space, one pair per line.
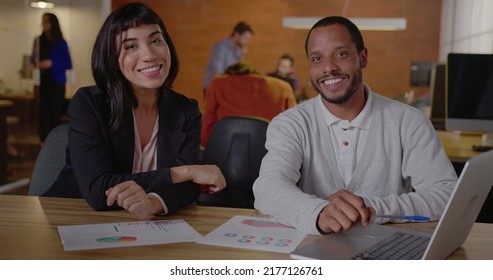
386,24
42,5
382,24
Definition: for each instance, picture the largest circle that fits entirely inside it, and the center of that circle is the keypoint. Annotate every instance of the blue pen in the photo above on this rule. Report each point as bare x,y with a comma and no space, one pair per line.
412,218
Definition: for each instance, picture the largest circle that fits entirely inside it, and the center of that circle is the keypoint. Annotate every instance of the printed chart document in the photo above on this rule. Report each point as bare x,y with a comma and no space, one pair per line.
126,234
255,233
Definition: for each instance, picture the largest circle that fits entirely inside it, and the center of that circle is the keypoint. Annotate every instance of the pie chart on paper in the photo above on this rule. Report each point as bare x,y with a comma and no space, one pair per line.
115,239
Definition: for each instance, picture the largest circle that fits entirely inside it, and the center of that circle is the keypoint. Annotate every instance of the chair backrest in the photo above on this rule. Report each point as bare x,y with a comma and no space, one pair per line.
237,145
50,161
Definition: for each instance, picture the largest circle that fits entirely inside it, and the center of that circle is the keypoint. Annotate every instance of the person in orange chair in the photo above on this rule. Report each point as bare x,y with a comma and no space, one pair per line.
134,143
243,91
284,71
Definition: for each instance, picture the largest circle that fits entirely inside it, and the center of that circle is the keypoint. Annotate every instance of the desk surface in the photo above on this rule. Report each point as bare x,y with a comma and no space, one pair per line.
17,96
459,146
28,230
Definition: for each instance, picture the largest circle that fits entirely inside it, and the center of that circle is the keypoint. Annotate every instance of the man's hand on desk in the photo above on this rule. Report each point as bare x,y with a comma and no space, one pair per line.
342,212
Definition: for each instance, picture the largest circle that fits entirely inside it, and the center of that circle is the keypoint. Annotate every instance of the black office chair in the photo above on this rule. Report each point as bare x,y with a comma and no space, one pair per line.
50,160
236,145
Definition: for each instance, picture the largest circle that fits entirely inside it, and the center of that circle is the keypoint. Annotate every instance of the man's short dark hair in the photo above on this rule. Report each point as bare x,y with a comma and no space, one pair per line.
241,27
356,36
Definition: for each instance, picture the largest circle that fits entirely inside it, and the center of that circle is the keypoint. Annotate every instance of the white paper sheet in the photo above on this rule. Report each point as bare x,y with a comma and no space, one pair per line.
255,233
126,234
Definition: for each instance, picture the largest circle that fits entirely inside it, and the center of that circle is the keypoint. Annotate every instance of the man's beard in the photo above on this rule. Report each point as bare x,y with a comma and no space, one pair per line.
358,78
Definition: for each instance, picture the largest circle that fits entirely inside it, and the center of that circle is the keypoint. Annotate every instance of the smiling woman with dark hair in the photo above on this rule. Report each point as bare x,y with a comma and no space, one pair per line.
133,141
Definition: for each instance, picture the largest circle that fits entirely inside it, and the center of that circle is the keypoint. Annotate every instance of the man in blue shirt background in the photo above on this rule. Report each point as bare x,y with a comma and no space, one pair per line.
228,51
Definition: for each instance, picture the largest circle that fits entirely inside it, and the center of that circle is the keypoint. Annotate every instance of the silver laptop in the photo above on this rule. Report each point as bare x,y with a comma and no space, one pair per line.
370,242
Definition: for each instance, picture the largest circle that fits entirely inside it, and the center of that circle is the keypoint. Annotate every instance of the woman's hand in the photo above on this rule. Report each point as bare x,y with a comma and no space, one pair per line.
45,64
132,197
208,175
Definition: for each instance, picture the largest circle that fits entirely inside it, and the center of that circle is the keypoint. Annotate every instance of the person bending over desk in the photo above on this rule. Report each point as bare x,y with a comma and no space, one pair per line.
228,51
134,142
349,153
244,91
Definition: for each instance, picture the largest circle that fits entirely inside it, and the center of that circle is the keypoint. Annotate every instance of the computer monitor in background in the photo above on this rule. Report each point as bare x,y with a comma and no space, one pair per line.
437,96
421,73
470,94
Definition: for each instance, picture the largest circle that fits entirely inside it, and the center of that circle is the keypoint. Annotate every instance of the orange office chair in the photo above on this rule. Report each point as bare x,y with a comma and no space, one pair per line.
236,145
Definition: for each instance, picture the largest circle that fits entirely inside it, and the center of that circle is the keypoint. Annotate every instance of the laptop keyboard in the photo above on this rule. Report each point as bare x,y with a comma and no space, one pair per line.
398,246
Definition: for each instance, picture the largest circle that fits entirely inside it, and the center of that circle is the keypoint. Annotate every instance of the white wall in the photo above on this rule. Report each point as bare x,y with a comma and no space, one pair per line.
466,27
80,21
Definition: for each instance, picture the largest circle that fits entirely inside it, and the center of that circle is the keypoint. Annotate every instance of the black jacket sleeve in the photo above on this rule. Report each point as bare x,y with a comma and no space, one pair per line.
98,159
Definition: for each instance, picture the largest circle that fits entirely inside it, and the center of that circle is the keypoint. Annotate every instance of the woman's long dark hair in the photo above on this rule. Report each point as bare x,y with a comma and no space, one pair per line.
55,30
105,68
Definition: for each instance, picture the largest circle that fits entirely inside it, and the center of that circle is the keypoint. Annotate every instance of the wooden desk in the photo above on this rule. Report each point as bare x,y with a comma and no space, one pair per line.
28,230
4,105
25,107
459,149
459,146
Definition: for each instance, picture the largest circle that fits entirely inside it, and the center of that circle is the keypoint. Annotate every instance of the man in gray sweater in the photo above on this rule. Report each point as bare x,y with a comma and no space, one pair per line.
347,154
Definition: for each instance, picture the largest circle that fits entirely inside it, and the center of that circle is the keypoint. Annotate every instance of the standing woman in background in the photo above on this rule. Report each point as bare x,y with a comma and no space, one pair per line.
52,57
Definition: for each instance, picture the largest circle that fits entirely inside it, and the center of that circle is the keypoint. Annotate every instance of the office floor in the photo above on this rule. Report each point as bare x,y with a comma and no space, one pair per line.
25,139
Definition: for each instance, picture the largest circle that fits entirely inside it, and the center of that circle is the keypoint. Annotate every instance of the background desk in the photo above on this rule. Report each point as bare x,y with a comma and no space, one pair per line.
24,107
28,230
459,146
4,105
459,149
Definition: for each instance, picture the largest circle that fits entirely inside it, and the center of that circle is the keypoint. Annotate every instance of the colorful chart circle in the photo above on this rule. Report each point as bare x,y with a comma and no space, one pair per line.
115,239
244,240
